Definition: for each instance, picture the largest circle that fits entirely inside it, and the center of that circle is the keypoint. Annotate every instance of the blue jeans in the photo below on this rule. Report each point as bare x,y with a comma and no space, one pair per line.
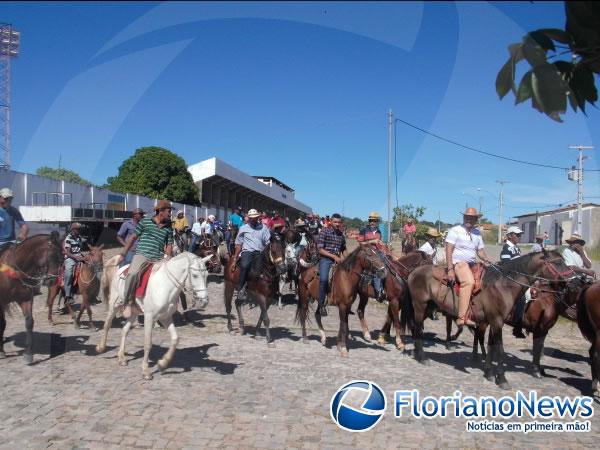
194,244
128,258
69,274
246,259
324,266
378,282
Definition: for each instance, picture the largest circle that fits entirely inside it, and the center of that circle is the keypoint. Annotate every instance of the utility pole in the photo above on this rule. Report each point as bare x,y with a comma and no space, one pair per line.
439,222
500,205
389,178
580,158
9,48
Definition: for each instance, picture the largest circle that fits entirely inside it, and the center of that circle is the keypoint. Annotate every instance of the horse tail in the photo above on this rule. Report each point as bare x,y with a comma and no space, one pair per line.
110,270
584,320
407,310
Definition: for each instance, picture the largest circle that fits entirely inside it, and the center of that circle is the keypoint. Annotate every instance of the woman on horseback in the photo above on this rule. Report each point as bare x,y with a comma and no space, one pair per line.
463,245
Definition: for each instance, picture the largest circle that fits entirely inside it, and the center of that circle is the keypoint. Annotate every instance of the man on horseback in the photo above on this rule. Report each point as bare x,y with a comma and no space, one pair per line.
72,249
154,238
181,227
305,236
251,240
332,245
313,225
277,220
126,230
410,230
575,256
196,231
430,247
510,250
463,245
11,220
371,236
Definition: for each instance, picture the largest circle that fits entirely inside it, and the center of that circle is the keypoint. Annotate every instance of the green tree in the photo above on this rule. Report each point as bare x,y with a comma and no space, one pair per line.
62,174
552,81
158,173
353,223
405,212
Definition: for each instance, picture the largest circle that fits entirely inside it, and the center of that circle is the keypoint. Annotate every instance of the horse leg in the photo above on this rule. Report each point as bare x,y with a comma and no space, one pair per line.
395,316
320,325
279,296
50,302
238,308
26,309
2,328
124,332
227,295
387,326
538,349
302,313
165,361
361,316
498,355
595,365
148,327
82,308
265,317
448,331
418,336
343,333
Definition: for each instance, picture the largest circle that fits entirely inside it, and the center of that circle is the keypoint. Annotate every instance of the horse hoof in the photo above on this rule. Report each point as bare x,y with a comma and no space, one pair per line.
162,364
323,341
489,377
76,326
2,355
425,362
504,385
381,340
305,341
148,376
367,337
400,347
271,344
122,363
344,353
280,306
100,349
28,358
536,374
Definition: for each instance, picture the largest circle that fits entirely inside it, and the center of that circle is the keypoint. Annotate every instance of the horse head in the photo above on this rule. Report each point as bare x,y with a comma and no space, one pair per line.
276,254
198,276
96,258
371,262
553,267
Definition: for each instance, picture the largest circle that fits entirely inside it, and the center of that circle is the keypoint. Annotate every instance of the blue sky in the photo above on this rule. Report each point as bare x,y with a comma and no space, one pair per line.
296,90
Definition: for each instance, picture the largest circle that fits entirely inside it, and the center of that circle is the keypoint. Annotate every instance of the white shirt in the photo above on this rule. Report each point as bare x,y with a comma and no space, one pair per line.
572,258
465,244
206,228
536,248
437,253
196,227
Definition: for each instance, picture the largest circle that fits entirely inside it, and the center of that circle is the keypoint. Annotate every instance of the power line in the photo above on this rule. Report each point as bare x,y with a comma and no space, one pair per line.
483,152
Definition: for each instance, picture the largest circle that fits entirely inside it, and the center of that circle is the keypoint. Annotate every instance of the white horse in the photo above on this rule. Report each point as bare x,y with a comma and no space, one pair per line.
168,278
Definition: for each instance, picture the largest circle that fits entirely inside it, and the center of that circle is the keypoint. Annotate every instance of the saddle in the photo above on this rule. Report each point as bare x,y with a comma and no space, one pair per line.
60,281
140,290
477,269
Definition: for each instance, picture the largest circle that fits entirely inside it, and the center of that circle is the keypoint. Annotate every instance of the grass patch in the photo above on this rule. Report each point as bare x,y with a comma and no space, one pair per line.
594,253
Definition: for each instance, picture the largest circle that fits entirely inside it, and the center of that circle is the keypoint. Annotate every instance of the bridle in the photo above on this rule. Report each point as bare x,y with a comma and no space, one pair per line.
24,277
181,284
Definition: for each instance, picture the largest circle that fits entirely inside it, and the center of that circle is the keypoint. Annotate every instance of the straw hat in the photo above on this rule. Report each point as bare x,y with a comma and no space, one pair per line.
471,212
253,213
374,216
433,233
541,237
575,237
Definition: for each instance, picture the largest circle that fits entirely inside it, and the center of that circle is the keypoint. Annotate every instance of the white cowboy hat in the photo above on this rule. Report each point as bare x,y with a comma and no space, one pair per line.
575,237
211,217
6,193
253,213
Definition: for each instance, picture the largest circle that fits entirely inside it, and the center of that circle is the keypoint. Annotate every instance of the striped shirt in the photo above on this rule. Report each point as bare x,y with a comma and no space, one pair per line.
152,239
73,244
332,241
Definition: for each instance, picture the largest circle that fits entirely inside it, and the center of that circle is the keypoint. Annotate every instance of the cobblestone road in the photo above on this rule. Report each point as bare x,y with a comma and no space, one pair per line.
233,391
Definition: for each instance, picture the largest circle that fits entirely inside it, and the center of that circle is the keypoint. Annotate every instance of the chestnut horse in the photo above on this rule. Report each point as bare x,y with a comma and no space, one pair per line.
23,267
588,319
262,284
358,267
88,285
502,285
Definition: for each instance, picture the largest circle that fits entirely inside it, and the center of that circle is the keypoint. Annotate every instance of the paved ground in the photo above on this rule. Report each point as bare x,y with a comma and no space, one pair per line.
233,391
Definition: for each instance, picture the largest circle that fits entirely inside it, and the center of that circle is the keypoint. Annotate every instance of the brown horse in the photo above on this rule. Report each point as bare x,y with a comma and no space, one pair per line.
409,244
88,285
395,285
262,284
540,316
358,267
24,266
308,288
588,319
502,285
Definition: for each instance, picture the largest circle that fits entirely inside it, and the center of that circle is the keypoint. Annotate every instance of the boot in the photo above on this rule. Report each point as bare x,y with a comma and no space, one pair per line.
242,294
518,332
381,296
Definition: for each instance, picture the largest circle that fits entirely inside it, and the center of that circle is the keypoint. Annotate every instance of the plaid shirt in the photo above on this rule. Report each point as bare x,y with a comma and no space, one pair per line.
332,241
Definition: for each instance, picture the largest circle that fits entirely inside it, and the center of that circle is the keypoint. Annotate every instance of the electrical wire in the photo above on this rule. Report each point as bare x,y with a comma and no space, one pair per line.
483,152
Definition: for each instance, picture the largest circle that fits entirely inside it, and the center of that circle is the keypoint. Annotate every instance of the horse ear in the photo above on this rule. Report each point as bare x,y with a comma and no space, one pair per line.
205,259
100,247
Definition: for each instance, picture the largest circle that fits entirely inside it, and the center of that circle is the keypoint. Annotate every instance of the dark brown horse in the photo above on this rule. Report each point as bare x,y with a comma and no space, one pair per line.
409,244
540,316
262,284
88,285
503,283
308,288
588,319
23,267
358,267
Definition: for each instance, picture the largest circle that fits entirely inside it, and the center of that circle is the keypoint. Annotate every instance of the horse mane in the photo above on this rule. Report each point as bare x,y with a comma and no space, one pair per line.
350,260
507,267
258,265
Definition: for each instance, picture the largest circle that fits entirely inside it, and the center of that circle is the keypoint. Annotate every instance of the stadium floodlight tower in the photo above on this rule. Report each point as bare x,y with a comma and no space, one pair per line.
9,48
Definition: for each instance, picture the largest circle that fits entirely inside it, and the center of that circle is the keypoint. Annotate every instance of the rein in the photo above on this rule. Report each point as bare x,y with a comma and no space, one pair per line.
181,284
